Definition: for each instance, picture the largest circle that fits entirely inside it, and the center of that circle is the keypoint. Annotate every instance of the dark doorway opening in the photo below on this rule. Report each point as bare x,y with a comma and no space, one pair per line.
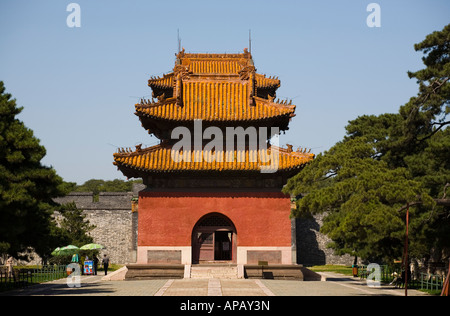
222,245
213,239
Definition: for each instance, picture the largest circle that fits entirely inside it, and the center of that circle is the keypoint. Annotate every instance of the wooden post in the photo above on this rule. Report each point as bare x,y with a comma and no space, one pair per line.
446,283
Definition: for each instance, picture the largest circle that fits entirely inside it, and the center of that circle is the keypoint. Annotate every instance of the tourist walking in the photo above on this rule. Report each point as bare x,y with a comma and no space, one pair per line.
105,263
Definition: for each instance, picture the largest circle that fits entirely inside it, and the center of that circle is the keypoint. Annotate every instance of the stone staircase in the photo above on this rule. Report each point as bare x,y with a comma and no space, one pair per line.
214,271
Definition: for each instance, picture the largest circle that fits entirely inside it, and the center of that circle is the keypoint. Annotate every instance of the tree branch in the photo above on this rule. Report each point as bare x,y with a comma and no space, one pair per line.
404,207
435,131
442,202
435,89
423,98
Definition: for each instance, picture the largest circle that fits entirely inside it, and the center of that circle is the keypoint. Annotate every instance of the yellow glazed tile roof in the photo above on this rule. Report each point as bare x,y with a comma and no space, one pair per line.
214,66
263,82
224,64
166,81
160,159
219,101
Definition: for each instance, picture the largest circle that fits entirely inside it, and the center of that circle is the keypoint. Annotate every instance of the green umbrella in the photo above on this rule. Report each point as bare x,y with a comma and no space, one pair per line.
64,251
56,252
92,247
69,250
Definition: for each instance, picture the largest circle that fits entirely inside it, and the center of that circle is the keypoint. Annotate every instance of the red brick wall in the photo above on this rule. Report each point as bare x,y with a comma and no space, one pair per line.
260,218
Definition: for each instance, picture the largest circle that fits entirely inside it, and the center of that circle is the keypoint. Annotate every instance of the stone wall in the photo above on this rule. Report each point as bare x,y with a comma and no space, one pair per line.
115,221
312,245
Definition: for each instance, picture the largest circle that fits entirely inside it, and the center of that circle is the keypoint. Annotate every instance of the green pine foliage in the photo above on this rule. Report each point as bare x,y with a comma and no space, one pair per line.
26,186
74,226
97,185
384,162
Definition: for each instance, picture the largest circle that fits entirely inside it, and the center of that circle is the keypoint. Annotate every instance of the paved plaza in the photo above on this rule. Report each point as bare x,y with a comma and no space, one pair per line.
335,285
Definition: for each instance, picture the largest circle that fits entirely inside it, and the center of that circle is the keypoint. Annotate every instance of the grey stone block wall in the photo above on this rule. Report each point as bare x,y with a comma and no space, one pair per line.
114,229
312,244
81,199
116,224
106,200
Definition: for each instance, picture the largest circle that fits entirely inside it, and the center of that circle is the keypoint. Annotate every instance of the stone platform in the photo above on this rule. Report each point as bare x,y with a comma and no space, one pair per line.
274,272
219,271
213,271
154,271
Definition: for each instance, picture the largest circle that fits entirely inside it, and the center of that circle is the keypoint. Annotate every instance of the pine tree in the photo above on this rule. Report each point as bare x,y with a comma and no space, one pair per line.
384,162
26,186
74,225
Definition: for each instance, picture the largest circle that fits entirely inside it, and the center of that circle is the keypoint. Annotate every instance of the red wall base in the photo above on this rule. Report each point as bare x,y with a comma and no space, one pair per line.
261,219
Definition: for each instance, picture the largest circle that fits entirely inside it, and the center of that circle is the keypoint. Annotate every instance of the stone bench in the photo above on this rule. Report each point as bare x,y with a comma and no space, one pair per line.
154,271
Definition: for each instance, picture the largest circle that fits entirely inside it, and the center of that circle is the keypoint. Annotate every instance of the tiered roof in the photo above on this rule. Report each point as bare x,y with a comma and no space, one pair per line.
160,159
221,90
214,88
219,102
166,81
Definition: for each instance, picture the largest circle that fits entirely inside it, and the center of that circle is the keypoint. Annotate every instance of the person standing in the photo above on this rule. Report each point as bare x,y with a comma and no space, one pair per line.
75,258
105,263
95,264
9,265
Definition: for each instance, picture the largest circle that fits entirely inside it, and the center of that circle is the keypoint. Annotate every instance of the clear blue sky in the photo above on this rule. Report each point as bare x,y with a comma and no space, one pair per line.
78,86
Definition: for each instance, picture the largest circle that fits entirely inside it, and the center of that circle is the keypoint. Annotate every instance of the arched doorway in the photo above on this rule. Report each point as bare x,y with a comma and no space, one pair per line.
214,239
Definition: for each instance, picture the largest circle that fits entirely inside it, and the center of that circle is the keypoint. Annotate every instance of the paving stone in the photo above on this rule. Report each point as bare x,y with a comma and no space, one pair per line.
337,285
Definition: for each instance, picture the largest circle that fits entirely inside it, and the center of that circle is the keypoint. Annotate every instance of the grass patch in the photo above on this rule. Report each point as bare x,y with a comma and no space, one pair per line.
112,267
346,270
431,292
